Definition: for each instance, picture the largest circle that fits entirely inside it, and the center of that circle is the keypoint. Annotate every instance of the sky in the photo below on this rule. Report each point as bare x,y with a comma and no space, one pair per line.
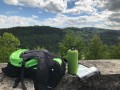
60,13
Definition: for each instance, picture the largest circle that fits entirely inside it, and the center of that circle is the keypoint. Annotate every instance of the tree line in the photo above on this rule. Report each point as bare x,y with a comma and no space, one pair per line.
94,49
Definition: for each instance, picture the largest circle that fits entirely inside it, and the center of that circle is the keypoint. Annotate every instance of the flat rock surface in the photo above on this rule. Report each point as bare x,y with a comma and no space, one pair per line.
105,66
108,80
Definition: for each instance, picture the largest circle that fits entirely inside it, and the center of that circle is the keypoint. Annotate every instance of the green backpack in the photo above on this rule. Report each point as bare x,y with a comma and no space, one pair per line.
15,59
42,66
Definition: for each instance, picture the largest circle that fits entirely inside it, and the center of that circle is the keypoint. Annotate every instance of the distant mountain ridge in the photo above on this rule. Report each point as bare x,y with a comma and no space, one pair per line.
49,37
108,36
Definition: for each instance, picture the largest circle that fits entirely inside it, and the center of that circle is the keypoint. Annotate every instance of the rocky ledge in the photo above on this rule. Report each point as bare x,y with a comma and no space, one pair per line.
108,80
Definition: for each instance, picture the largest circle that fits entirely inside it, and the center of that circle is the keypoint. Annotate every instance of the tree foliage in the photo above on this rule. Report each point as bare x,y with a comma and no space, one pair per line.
70,40
35,37
115,52
8,44
96,49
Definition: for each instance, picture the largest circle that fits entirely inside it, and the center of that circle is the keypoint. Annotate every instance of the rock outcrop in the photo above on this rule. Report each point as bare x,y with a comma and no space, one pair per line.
108,80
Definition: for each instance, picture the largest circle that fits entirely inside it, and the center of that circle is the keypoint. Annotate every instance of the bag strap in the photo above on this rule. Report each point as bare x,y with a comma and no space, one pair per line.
17,81
21,79
22,75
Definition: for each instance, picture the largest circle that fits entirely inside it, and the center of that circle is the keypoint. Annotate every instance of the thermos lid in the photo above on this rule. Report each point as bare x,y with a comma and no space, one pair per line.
73,48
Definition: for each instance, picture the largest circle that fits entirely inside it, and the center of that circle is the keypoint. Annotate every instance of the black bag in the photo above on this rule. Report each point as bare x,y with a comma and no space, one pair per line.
48,72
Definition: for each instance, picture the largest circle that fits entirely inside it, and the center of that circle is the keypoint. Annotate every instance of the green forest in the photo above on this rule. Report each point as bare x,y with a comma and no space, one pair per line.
92,43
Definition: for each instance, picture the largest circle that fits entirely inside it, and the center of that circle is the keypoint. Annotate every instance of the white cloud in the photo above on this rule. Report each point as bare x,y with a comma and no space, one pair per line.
12,21
14,2
12,12
85,6
80,21
100,20
48,5
113,20
59,21
113,5
102,13
81,6
34,16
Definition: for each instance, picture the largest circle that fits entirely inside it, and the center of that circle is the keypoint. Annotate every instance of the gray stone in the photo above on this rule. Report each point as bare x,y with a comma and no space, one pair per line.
108,80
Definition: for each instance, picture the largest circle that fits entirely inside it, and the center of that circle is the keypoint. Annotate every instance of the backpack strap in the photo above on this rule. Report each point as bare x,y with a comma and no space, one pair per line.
22,75
17,81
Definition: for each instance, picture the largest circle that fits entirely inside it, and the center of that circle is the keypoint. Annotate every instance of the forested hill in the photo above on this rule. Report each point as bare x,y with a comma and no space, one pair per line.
49,37
34,36
109,37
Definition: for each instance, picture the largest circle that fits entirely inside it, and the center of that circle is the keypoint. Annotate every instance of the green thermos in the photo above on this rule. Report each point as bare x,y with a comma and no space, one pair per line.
72,57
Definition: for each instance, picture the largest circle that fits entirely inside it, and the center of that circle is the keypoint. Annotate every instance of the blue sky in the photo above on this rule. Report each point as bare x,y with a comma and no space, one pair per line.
60,13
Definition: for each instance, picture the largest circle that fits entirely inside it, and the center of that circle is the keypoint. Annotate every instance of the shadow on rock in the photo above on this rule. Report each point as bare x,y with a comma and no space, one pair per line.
101,82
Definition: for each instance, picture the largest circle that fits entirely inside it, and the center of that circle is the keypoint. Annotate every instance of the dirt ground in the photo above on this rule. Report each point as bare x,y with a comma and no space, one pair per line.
108,80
